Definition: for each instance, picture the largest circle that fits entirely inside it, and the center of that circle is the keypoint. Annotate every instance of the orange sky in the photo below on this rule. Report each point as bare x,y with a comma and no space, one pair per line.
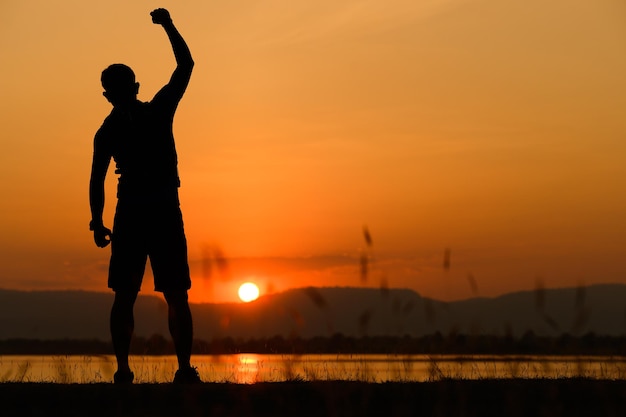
492,128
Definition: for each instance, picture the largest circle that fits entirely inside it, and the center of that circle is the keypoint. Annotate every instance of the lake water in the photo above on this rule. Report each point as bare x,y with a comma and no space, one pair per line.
251,368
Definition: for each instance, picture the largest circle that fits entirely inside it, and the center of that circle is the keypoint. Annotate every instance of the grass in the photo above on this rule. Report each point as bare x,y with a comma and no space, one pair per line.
251,368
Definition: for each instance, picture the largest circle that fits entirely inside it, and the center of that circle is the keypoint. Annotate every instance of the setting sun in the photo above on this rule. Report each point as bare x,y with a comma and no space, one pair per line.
248,292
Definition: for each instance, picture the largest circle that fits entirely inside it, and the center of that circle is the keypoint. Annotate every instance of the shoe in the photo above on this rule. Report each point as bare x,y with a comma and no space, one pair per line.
123,377
187,376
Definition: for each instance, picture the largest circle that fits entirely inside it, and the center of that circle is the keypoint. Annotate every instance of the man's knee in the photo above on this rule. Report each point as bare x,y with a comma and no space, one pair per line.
176,298
125,298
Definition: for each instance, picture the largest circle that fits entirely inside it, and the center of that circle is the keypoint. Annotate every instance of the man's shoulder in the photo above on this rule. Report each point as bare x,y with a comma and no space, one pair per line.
165,100
107,127
108,120
117,118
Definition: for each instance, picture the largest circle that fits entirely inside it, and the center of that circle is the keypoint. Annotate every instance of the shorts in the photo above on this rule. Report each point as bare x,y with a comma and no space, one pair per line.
150,228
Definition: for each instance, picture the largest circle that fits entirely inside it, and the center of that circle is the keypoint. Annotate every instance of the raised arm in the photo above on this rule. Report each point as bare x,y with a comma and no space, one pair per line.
184,62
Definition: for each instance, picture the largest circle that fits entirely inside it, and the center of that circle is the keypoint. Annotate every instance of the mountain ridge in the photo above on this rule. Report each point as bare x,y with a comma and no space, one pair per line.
324,311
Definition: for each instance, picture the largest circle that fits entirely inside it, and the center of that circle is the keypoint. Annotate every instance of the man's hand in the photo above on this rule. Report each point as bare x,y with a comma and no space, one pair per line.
102,236
160,17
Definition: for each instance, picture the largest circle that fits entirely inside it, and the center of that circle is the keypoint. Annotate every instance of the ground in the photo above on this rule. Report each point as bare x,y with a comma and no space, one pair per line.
516,397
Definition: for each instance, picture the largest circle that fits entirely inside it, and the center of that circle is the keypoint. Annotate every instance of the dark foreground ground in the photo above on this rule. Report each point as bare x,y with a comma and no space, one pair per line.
531,397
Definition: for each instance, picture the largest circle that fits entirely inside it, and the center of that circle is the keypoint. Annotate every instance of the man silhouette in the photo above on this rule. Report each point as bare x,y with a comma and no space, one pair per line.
148,221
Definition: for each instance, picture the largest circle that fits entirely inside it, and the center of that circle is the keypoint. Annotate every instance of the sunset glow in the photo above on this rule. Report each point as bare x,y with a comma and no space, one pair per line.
491,131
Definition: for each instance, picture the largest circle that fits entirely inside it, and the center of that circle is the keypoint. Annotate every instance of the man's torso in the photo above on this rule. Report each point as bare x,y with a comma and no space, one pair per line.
141,142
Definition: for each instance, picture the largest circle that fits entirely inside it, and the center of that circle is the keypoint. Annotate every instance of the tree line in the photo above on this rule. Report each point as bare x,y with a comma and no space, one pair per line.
437,343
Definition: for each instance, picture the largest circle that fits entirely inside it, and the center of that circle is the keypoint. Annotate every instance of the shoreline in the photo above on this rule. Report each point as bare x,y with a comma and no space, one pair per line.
451,397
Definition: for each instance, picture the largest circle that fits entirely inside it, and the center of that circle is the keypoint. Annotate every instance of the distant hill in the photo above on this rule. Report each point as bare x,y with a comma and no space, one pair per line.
71,314
311,312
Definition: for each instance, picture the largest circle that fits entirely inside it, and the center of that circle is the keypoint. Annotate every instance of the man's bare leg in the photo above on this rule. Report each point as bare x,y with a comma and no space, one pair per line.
122,326
180,325
181,328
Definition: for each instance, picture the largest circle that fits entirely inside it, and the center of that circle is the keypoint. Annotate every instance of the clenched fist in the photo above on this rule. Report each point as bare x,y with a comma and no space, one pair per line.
160,16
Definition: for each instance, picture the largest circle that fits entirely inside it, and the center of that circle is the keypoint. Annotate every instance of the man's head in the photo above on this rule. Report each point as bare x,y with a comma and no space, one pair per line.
119,84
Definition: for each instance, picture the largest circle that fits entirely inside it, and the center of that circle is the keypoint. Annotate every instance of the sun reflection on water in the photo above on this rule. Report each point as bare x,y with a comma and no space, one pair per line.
247,368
